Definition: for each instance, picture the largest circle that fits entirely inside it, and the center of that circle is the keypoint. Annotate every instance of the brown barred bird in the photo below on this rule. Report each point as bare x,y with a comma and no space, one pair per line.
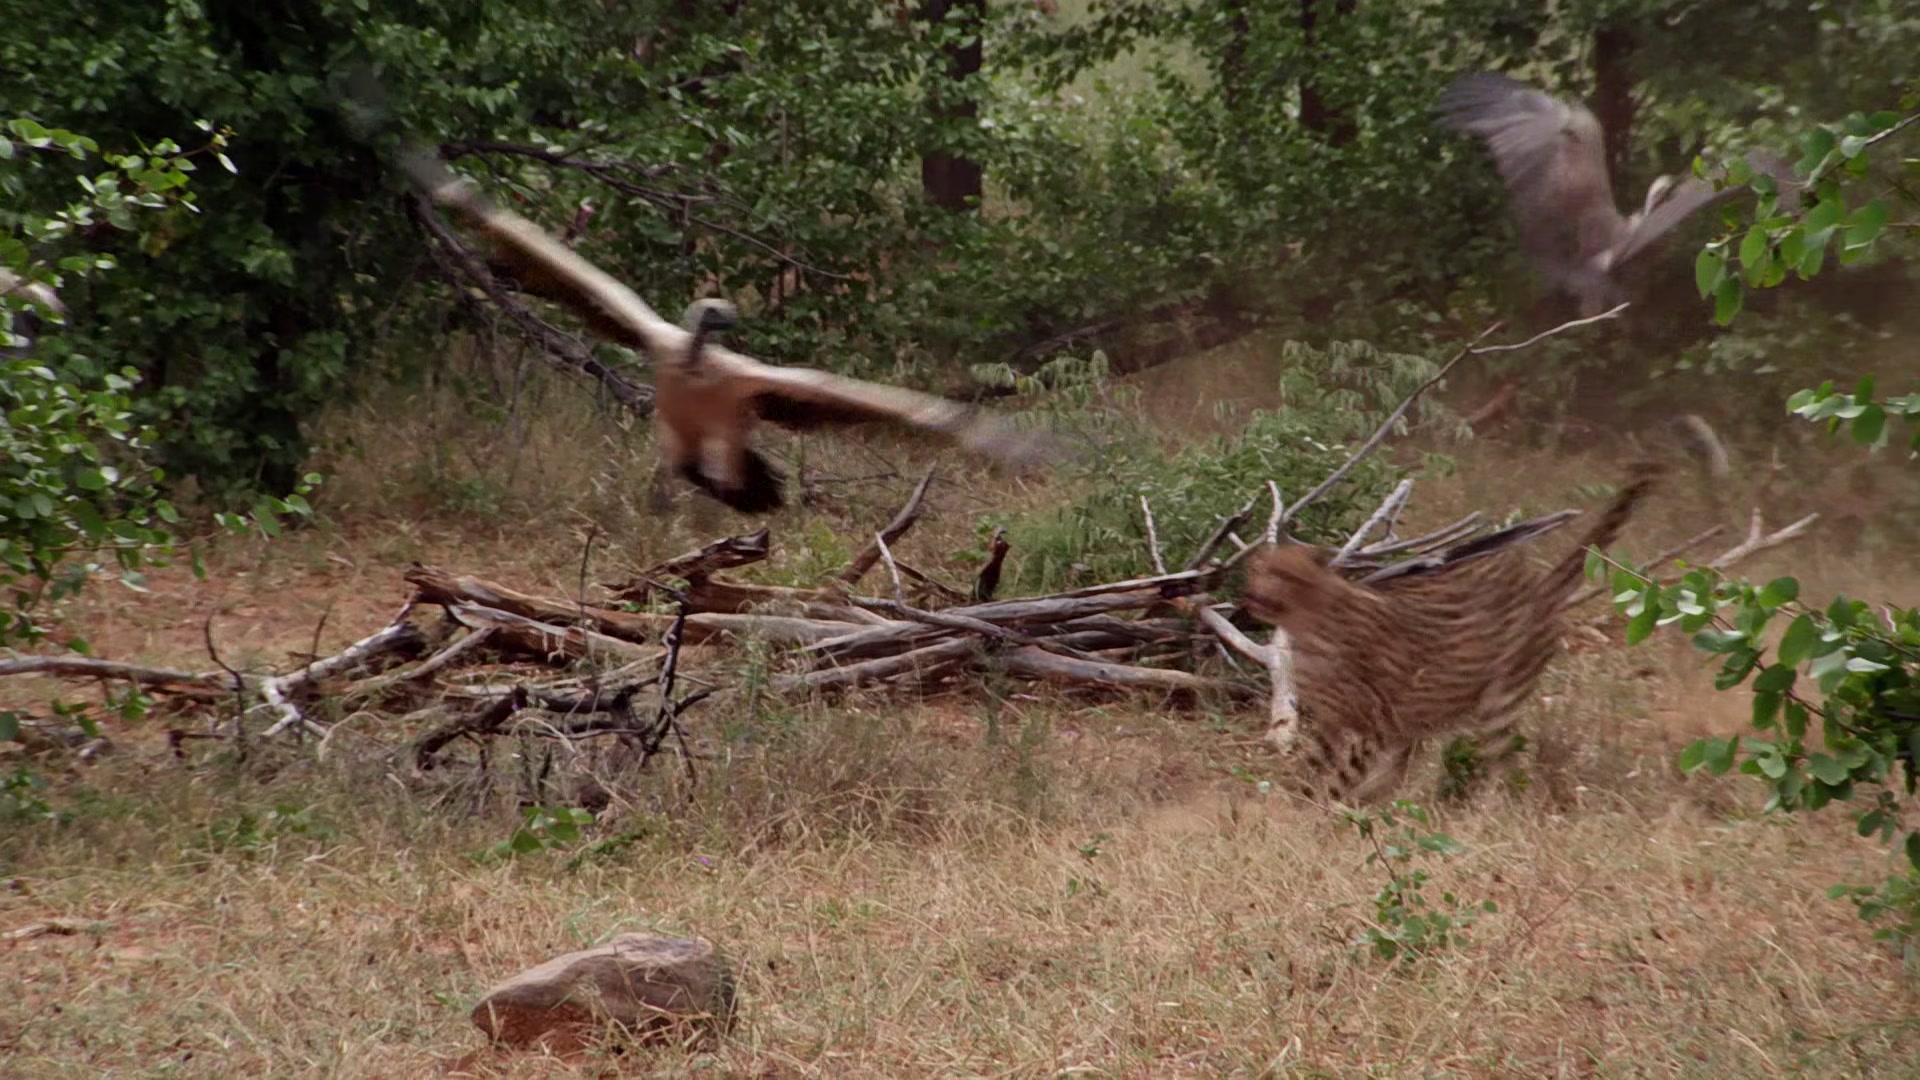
1451,649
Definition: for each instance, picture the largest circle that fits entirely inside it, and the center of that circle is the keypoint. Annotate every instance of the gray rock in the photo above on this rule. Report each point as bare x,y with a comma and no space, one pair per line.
660,989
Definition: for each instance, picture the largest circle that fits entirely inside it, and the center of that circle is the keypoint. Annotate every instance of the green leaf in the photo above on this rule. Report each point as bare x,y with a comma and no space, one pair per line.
1796,720
1728,298
1842,612
1753,255
1734,671
1827,770
1870,427
1865,224
1693,756
1798,642
1775,679
1719,756
1641,625
1766,706
1709,270
1913,849
1781,590
1718,641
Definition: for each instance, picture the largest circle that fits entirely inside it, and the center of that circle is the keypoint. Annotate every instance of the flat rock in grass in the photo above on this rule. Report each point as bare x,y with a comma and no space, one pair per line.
660,989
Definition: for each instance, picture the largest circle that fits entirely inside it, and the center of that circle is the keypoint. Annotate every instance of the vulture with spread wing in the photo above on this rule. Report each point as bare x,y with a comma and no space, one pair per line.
707,399
1552,158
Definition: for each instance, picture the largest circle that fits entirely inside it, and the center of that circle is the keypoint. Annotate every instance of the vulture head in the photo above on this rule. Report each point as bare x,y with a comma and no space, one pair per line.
1552,159
705,318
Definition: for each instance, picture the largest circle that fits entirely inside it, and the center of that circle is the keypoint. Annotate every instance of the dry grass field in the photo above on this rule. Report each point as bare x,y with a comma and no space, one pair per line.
1005,883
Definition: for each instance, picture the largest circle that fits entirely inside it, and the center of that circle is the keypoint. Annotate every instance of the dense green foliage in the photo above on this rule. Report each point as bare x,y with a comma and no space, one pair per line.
1140,157
74,474
1335,397
79,490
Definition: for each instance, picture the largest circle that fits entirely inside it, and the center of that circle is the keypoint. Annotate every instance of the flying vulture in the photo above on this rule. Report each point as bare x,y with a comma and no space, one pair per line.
1552,158
707,398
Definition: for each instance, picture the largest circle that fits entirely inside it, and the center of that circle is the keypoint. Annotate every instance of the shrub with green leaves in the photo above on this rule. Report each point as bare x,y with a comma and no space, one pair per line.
1335,396
78,487
1408,924
1779,241
1835,686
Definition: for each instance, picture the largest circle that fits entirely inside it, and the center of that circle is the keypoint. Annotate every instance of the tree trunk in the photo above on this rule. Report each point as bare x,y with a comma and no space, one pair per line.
1233,56
1334,128
1613,103
953,181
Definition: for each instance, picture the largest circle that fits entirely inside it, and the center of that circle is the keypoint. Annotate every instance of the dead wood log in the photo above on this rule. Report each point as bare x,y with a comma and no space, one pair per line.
467,643
165,680
491,718
895,529
394,643
695,566
716,595
878,640
954,621
928,586
436,586
433,585
1035,663
939,657
541,641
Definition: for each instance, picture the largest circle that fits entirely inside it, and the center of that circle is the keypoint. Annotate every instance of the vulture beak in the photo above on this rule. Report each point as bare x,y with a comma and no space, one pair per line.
705,318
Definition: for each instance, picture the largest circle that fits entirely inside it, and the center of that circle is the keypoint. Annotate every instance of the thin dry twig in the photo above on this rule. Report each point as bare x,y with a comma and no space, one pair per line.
1153,537
1472,348
1653,564
895,529
1543,335
1390,508
1759,540
893,569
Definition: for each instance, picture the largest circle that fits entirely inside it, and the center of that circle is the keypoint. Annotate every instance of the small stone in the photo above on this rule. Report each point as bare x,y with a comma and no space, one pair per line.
658,988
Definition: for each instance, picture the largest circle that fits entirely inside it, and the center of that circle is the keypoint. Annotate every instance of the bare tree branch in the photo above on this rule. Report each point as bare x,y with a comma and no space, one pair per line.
902,521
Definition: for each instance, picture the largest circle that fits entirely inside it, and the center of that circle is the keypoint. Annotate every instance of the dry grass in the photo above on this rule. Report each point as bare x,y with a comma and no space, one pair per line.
1036,887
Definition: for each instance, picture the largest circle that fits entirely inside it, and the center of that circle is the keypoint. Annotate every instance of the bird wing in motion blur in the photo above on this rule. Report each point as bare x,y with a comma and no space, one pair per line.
707,398
1552,159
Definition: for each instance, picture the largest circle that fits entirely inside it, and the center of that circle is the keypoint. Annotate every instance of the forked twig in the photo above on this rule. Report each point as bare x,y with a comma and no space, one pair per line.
1759,540
1389,509
893,531
1472,348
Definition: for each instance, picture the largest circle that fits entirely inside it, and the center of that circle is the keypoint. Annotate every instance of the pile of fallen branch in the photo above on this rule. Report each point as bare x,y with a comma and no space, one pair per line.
471,659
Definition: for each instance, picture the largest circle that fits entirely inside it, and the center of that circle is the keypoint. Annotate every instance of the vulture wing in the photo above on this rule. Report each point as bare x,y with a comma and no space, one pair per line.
803,399
1693,194
544,265
1551,157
